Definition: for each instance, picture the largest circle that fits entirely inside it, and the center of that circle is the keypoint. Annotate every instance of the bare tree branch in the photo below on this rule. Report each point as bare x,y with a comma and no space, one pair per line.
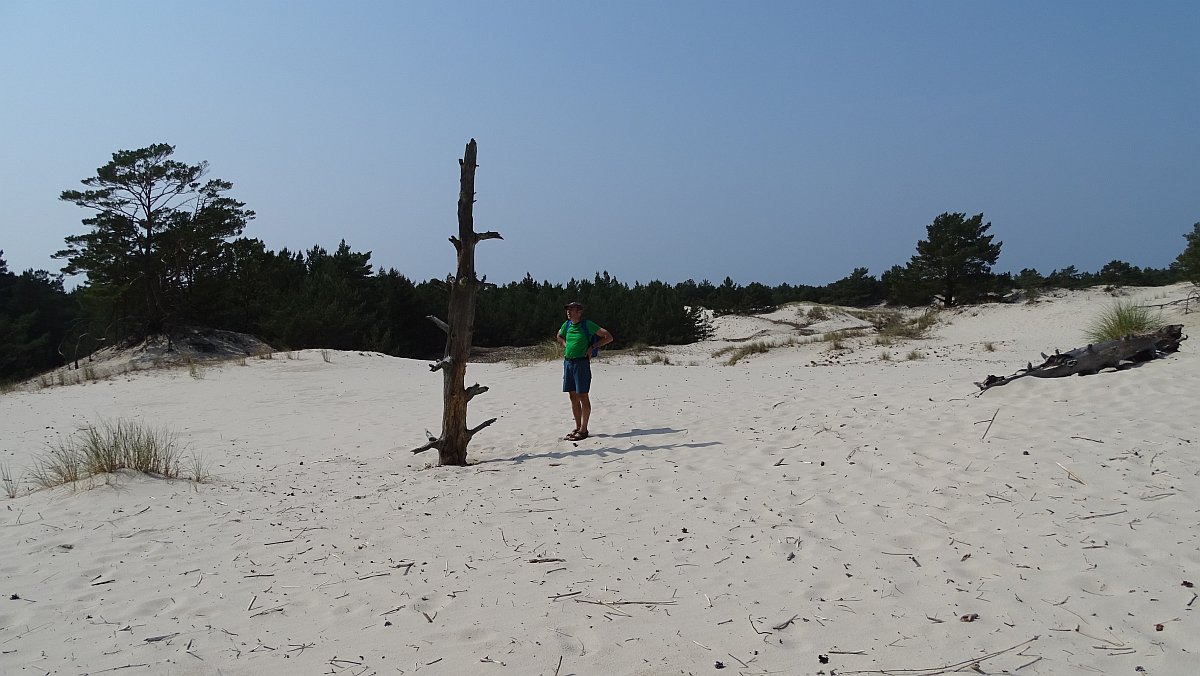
471,432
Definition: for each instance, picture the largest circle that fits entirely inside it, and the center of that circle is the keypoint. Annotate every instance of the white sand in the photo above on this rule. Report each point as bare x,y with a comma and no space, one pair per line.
860,501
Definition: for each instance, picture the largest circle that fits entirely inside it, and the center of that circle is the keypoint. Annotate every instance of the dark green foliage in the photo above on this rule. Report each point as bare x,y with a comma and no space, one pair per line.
956,258
1029,279
34,315
158,237
1187,265
526,312
1119,273
859,289
904,286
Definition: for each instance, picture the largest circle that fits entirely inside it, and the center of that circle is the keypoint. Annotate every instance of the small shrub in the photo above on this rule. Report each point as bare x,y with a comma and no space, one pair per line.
886,356
1122,319
989,346
914,355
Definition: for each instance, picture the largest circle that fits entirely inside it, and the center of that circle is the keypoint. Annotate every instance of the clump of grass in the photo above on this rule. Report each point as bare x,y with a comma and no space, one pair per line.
547,350
884,341
914,355
886,356
818,313
108,447
267,355
843,334
989,346
654,358
894,325
1121,319
10,484
194,369
325,355
198,469
737,354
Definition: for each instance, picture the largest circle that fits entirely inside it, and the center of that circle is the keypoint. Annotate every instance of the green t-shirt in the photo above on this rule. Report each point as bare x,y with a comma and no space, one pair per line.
577,345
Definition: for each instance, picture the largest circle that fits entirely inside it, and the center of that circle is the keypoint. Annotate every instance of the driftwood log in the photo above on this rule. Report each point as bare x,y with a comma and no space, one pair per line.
464,287
1092,358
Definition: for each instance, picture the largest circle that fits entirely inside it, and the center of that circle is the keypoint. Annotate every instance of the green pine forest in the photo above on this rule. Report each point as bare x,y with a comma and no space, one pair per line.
161,247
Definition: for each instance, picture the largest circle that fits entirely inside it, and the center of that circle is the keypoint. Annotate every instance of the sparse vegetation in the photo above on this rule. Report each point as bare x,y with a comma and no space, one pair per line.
1121,319
325,356
989,346
108,447
843,334
736,354
885,356
818,314
654,358
546,350
894,324
10,484
194,369
914,355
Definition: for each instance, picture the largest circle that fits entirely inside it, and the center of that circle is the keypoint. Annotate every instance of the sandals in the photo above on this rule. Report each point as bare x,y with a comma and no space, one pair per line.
577,435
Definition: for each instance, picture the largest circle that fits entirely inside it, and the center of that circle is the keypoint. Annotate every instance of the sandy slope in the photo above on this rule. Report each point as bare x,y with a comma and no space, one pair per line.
765,516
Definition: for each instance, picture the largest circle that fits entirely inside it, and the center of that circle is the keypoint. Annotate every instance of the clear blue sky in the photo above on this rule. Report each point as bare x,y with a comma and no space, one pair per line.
768,141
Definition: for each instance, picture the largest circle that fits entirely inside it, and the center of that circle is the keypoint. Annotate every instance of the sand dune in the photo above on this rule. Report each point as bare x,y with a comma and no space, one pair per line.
774,516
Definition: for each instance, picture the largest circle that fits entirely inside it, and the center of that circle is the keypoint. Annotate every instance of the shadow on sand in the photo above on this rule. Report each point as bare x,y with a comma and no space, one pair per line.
605,451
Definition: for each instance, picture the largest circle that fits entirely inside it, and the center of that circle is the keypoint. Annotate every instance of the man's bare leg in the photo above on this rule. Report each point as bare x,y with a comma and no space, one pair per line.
585,412
577,410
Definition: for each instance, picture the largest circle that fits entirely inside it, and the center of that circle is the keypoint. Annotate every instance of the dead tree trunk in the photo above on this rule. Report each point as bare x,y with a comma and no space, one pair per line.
464,286
1093,358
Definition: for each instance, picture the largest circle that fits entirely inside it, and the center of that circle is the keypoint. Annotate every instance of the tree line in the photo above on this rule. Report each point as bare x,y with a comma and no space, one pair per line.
164,250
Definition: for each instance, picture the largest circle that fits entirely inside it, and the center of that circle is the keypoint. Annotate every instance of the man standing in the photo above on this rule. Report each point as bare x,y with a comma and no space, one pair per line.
581,340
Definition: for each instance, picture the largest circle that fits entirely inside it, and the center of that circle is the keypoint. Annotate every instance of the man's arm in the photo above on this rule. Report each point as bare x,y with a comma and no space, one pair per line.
604,338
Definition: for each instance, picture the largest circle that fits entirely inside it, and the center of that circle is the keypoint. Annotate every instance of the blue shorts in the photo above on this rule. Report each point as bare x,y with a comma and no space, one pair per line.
577,375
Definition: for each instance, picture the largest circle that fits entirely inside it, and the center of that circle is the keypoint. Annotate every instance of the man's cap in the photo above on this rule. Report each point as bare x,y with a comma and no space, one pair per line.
574,303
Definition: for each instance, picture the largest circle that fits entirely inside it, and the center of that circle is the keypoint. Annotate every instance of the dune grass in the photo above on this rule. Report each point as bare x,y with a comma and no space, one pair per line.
1121,319
109,447
10,484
